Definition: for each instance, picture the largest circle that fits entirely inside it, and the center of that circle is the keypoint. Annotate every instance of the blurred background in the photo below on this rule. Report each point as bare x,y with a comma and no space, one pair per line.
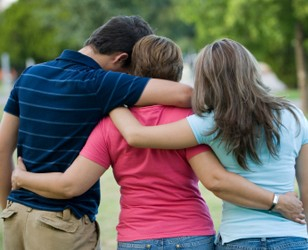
275,31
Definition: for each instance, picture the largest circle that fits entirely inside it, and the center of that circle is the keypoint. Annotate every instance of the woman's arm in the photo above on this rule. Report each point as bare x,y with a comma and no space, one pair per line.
302,176
228,186
176,135
236,189
78,178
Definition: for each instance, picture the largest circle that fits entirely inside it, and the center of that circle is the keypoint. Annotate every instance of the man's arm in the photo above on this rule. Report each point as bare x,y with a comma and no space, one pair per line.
236,189
8,141
165,92
78,178
302,176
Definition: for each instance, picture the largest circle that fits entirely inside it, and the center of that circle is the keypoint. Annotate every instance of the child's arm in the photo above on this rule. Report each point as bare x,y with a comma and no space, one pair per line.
176,135
78,178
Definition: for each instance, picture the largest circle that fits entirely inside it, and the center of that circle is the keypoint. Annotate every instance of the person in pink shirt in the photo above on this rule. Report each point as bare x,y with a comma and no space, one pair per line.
161,205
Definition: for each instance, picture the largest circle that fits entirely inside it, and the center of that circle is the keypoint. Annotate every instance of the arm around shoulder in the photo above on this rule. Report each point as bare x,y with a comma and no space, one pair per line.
166,92
176,135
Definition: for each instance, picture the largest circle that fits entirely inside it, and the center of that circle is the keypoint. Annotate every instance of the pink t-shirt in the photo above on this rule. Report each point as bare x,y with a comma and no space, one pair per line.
160,197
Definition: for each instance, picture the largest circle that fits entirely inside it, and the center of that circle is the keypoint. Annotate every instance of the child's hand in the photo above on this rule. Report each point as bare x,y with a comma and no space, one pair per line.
18,171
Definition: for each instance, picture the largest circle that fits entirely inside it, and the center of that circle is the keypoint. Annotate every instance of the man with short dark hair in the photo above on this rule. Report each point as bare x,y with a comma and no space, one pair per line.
49,115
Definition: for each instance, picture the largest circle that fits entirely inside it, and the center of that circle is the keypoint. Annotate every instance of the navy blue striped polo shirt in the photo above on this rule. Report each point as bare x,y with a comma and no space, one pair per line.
58,104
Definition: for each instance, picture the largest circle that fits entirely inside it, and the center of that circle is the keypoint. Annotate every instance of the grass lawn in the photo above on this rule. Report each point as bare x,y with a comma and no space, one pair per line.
291,94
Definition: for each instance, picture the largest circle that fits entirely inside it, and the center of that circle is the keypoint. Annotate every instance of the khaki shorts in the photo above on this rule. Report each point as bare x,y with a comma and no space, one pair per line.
31,229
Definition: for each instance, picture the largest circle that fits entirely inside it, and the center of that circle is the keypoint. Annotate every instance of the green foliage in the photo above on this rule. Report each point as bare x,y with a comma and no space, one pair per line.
266,27
41,29
206,16
160,14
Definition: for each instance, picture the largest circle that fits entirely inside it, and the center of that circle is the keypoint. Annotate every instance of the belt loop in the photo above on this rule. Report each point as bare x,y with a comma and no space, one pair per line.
219,238
9,203
66,214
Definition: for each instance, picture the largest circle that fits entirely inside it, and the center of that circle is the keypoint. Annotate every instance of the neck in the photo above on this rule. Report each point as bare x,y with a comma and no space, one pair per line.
90,52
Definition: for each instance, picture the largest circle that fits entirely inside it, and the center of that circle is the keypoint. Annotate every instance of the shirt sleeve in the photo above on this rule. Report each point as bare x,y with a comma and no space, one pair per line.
12,105
118,89
191,152
201,126
197,124
95,148
304,127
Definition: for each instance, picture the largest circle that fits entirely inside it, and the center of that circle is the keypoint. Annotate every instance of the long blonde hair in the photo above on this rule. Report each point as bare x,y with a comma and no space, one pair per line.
228,82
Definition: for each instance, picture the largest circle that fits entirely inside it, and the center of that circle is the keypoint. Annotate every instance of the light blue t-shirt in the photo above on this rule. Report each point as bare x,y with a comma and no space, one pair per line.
275,174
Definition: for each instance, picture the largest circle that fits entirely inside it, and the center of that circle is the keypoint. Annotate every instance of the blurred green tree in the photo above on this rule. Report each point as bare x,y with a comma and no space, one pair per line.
24,35
41,29
275,31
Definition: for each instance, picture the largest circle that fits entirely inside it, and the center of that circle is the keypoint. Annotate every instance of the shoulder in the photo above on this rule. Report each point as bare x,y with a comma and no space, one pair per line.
105,124
207,119
119,77
178,112
288,117
201,125
170,114
298,127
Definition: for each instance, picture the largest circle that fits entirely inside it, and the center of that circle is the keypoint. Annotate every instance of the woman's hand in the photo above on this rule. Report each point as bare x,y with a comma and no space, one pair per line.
291,207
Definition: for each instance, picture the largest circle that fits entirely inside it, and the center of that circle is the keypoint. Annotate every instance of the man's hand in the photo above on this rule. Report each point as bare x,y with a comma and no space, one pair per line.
291,207
18,171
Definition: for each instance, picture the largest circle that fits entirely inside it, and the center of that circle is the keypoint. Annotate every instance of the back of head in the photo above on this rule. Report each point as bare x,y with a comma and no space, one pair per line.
119,34
226,74
228,81
157,57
